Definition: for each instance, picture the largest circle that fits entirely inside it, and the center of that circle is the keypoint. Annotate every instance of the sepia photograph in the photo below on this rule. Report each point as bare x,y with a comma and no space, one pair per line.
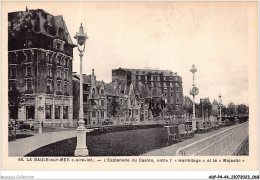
109,81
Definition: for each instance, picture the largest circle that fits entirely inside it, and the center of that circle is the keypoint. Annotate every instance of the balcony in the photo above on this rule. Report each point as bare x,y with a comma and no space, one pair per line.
29,61
28,91
59,65
59,93
13,63
58,79
49,92
49,78
66,94
13,78
28,76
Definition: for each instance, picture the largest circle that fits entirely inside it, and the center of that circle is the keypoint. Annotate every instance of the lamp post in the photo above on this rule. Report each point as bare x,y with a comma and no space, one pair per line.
220,104
194,91
81,149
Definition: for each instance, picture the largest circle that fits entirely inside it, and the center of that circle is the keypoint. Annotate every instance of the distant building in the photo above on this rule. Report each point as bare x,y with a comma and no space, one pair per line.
205,107
40,54
97,96
187,107
156,87
215,108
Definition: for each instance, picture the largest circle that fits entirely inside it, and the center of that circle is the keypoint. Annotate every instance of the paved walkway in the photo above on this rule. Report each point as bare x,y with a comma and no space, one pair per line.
171,150
23,146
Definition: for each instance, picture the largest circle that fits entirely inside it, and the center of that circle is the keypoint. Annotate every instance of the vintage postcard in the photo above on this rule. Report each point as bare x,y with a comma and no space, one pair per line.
129,86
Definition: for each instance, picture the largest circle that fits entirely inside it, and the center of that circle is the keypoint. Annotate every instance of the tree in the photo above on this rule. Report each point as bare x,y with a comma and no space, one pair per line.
170,109
223,110
15,101
242,110
113,107
207,109
231,109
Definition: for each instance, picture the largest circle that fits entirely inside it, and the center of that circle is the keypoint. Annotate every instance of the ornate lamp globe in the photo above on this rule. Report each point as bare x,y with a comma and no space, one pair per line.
193,69
81,36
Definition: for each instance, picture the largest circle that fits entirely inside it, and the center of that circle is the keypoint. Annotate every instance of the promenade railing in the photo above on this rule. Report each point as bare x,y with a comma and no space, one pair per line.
216,144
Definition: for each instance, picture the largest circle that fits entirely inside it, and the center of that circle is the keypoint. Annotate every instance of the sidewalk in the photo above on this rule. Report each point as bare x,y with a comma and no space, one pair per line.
23,146
171,150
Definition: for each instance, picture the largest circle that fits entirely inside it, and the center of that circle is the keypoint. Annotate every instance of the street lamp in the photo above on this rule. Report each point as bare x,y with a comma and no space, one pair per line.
194,91
220,103
81,149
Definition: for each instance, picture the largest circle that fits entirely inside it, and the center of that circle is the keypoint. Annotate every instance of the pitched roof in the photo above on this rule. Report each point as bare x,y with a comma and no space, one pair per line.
37,20
86,79
110,89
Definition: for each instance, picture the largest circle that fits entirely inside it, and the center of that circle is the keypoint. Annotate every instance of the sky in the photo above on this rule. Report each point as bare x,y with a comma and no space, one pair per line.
164,35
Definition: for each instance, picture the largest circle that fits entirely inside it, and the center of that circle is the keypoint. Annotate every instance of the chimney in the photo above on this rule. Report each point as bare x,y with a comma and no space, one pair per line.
93,70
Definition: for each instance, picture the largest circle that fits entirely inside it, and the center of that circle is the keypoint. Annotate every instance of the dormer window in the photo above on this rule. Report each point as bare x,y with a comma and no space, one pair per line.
58,46
29,43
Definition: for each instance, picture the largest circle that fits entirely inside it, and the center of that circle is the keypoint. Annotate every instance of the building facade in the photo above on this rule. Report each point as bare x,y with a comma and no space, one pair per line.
160,86
40,54
98,98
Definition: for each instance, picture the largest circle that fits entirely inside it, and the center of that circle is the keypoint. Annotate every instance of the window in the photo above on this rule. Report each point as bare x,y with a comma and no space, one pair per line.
94,114
58,73
29,43
49,72
29,85
171,94
136,112
165,94
146,113
177,100
58,46
102,114
102,91
57,112
13,72
93,93
85,98
29,112
65,112
49,58
48,111
66,63
66,74
13,86
66,88
28,71
49,87
102,103
29,57
177,89
13,59
58,87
